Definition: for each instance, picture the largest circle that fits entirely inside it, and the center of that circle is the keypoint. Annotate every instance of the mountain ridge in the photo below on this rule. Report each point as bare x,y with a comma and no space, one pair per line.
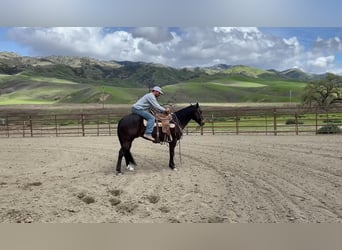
64,79
11,63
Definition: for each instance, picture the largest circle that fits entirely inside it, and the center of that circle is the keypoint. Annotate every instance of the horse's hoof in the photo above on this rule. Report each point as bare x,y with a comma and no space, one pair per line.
174,169
130,168
118,173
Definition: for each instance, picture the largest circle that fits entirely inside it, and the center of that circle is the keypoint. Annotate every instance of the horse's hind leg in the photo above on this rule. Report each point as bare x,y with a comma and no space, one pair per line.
130,163
118,164
129,158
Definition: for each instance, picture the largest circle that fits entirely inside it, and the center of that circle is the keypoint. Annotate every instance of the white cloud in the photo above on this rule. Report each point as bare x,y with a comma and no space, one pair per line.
153,34
321,62
331,45
190,46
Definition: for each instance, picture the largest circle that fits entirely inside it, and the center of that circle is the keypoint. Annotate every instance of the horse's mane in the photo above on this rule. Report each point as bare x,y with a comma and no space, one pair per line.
183,116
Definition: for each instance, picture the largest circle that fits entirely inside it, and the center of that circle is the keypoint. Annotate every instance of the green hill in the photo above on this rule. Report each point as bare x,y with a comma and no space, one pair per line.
61,79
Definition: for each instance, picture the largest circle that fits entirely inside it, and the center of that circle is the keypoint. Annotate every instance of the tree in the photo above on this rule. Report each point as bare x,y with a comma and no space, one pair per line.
323,92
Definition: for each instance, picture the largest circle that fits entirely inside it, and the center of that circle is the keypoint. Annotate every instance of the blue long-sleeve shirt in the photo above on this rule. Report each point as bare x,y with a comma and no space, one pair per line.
148,101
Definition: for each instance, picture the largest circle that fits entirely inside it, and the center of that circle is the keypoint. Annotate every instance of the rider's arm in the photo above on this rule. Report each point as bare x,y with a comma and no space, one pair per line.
154,103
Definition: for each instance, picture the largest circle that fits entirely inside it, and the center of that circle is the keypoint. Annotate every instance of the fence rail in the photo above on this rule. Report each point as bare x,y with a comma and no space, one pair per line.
267,121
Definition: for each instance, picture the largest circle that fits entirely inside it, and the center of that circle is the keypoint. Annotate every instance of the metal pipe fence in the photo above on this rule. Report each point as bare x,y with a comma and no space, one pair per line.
274,121
263,121
90,124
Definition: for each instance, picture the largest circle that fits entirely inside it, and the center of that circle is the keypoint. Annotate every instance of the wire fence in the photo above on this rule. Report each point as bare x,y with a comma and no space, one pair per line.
264,121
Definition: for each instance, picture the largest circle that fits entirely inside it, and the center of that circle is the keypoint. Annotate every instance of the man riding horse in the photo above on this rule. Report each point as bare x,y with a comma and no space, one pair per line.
131,126
143,106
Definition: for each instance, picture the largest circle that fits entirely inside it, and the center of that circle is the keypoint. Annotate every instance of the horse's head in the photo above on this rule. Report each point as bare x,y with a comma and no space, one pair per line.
197,115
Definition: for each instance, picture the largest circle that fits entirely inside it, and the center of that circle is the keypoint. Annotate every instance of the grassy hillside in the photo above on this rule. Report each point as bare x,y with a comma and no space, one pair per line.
60,79
22,89
235,90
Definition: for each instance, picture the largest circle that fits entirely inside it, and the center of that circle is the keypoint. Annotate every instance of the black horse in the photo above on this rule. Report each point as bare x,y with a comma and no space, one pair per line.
131,126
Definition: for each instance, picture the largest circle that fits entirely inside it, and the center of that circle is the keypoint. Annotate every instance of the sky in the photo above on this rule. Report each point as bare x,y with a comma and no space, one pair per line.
266,34
314,50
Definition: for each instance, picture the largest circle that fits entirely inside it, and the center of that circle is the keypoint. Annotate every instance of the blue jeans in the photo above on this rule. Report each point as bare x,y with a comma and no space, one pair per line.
148,116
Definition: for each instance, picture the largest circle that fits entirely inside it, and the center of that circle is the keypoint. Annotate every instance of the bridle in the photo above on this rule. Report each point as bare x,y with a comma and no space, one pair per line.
199,113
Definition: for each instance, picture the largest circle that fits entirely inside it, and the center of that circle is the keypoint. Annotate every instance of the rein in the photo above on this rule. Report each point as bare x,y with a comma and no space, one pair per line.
177,123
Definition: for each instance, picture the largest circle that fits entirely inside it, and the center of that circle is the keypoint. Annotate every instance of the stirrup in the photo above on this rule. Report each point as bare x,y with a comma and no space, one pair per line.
167,138
149,137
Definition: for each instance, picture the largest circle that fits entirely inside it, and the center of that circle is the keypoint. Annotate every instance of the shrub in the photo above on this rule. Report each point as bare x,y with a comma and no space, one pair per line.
293,121
329,129
332,121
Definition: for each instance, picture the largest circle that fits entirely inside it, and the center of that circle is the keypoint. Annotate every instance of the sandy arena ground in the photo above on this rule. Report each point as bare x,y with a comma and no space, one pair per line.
230,179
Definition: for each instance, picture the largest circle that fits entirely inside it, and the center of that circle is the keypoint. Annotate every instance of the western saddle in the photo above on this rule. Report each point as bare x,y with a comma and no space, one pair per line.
163,120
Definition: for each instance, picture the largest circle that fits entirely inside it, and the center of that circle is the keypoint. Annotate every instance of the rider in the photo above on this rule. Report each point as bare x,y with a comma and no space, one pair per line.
144,104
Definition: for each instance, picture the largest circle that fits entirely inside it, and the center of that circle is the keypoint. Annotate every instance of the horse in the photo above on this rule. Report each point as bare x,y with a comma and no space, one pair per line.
132,126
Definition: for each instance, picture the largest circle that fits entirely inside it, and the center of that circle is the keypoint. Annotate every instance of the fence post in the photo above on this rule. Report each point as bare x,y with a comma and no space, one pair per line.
266,123
212,124
31,127
7,126
274,121
82,122
24,123
56,126
316,120
296,123
110,132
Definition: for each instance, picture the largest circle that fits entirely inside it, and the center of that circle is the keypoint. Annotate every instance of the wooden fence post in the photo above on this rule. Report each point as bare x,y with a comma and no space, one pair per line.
266,123
31,126
56,126
296,123
212,124
7,126
316,120
24,123
82,122
110,132
275,121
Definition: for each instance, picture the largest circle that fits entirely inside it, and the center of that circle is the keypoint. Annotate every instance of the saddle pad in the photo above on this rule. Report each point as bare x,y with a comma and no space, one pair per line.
171,125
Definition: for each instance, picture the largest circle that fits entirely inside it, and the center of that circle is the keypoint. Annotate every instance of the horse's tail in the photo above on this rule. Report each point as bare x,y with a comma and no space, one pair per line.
118,131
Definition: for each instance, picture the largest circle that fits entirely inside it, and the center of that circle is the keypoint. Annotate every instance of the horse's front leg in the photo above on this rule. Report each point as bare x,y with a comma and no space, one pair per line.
172,146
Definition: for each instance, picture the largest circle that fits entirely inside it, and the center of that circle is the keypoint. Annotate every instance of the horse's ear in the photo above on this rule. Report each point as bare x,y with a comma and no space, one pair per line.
197,105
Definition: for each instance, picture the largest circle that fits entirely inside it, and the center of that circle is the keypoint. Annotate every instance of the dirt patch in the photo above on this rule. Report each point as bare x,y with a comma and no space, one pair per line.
220,179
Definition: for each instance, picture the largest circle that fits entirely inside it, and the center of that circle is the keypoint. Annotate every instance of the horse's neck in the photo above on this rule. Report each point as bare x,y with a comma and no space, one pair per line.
183,116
